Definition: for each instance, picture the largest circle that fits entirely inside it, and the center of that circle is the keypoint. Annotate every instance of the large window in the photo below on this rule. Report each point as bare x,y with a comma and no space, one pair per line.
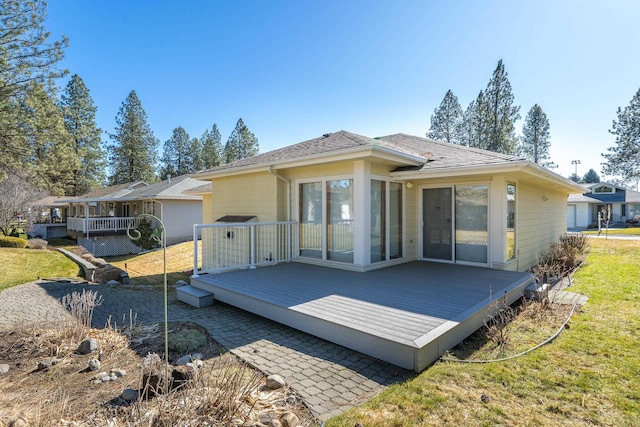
340,220
395,220
471,234
386,220
327,233
311,220
511,222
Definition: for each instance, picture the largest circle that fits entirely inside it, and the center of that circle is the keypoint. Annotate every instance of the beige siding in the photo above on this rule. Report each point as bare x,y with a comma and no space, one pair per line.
251,194
411,222
542,219
324,170
207,208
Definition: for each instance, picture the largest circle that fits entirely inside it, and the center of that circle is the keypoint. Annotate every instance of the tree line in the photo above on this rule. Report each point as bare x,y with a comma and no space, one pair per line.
49,138
489,120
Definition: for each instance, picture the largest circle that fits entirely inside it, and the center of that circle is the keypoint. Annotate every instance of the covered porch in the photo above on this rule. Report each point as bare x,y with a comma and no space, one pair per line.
408,314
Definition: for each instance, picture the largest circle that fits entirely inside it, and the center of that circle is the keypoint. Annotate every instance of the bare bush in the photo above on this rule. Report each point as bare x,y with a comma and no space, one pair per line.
498,327
37,244
81,306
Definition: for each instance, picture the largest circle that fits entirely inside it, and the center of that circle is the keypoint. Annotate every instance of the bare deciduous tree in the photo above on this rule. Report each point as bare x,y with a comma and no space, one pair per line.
17,196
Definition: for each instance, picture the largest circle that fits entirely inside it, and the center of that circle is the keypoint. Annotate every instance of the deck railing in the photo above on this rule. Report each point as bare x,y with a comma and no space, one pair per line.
92,225
229,246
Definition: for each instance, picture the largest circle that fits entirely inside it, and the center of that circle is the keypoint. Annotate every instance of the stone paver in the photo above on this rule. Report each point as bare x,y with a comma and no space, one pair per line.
329,378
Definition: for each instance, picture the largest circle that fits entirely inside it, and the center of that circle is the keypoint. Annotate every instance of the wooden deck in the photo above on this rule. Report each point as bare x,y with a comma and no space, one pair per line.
407,315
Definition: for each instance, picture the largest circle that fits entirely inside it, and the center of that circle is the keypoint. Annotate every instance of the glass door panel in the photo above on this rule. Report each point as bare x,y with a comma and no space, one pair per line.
340,220
311,220
472,236
437,237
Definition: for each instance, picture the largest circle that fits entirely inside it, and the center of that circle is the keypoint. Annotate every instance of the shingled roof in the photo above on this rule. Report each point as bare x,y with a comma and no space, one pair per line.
424,153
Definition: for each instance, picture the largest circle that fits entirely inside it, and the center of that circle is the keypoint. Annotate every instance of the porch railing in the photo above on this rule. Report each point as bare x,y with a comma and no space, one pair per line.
92,225
229,246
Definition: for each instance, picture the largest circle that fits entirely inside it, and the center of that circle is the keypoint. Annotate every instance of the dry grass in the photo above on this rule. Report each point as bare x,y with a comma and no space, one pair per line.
227,392
147,269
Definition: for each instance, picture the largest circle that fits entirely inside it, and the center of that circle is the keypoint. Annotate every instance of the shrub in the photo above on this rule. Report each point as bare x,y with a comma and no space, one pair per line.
143,235
37,244
562,258
12,242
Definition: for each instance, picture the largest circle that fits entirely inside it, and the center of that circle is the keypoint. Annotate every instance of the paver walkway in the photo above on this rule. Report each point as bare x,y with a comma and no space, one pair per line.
329,378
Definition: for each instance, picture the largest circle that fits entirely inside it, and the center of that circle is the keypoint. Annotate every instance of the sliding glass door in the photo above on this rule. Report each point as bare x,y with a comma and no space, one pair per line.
455,224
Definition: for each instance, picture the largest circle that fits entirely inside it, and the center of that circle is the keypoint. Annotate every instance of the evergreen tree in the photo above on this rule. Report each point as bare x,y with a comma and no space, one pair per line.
447,121
624,158
591,177
241,144
79,114
534,144
48,154
196,162
26,56
132,154
575,177
474,124
500,114
211,148
176,158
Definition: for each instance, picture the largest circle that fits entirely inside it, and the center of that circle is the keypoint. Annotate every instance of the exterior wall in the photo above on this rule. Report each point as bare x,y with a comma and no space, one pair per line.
207,209
178,217
542,220
252,194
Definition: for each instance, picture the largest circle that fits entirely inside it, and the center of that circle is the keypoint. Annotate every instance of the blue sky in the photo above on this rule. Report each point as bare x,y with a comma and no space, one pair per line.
294,70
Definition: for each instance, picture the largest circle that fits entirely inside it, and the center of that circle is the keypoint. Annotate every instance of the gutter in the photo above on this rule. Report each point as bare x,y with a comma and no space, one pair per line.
288,182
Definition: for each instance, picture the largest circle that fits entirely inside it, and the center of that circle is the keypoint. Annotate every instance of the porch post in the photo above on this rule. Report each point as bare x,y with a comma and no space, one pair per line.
195,250
361,212
252,261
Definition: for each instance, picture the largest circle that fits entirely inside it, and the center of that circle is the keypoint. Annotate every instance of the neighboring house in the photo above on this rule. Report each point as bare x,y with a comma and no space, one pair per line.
605,201
47,220
358,216
99,219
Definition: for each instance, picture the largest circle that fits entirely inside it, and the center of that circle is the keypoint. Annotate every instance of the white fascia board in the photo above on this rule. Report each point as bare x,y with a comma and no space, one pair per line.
347,154
524,166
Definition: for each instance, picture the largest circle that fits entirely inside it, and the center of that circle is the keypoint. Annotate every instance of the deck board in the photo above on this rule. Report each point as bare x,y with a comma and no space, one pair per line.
402,304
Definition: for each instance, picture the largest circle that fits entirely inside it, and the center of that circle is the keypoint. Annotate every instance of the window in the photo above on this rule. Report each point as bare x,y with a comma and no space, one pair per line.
511,222
326,220
386,220
603,189
471,216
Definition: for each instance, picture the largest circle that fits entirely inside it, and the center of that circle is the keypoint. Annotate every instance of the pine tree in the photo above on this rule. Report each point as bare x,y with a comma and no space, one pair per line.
26,56
623,159
176,157
48,154
534,144
132,154
241,144
591,177
447,121
79,114
500,115
575,177
474,124
195,161
211,148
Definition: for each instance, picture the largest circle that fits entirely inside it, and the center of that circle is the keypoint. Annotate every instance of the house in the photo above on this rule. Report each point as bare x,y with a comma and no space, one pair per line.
395,217
602,200
99,219
47,219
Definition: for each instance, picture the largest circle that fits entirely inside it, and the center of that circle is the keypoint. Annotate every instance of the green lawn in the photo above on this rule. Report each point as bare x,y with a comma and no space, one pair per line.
634,231
26,265
588,376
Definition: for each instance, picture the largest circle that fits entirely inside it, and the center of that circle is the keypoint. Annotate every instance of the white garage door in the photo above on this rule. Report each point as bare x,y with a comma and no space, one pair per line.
571,216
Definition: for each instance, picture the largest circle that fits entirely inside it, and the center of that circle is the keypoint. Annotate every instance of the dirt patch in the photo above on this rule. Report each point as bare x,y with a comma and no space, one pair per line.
224,392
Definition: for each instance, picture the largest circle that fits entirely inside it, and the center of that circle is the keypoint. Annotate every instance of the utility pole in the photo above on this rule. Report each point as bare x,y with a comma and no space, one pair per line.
576,163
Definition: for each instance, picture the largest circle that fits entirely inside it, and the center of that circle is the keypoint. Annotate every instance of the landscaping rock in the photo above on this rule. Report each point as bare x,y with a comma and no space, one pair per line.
183,360
47,363
289,419
119,372
99,375
275,382
180,283
113,283
94,364
274,423
485,398
267,416
4,368
129,395
88,346
196,356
